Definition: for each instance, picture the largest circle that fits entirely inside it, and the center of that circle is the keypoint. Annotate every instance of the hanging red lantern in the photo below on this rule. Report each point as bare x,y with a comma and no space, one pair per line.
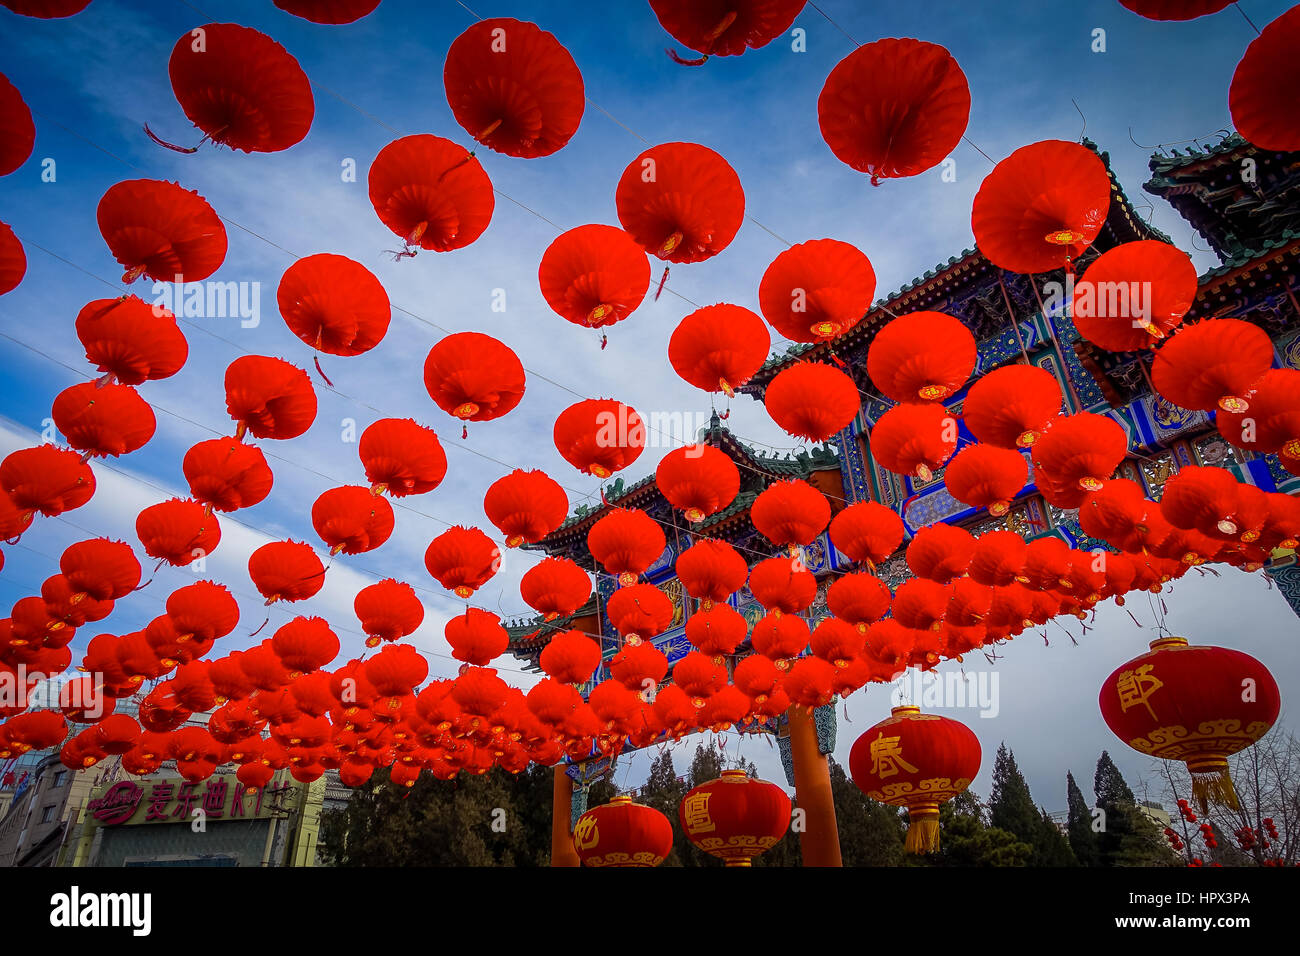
639,612
476,637
622,833
431,192
226,475
1186,703
1079,452
1212,364
394,672
711,571
1011,406
837,642
699,480
626,542
1207,500
1271,424
305,644
717,631
921,357
639,667
810,682
178,531
782,585
334,304
998,558
736,817
401,457
817,290
269,397
594,275
513,87
811,400
103,420
681,202
1174,9
388,611
860,599
894,108
570,657
352,520
525,506
790,513
718,28
102,569
462,560
555,587
986,476
757,677
1281,528
161,230
699,677
866,531
1041,207
131,340
202,612
1263,111
286,571
473,377
599,436
719,348
920,604
13,261
329,12
241,88
1120,514
916,761
17,131
940,552
780,637
1134,295
46,479
1047,563
914,440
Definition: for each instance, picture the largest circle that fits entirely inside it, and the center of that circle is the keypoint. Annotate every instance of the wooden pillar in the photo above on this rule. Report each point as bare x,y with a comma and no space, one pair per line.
820,841
562,851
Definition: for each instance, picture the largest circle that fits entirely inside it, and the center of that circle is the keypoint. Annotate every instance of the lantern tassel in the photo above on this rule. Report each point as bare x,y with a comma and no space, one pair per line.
682,61
923,830
1214,786
321,371
662,279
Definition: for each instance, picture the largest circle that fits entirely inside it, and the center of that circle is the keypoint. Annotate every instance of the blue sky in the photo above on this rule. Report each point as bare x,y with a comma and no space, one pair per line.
94,79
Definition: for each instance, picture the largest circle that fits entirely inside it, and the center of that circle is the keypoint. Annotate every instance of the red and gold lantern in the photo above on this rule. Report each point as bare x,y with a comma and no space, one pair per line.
623,833
736,817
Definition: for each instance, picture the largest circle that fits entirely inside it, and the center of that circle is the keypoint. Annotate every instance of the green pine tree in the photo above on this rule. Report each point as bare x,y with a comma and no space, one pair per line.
966,839
1083,838
1011,808
871,833
1127,836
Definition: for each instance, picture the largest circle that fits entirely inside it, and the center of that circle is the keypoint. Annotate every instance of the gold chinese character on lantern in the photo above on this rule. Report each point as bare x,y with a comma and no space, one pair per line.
695,809
586,834
887,757
1136,687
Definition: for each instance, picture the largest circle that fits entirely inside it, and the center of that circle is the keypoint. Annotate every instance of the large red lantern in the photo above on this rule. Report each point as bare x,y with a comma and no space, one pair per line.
1212,364
921,357
352,520
782,585
639,612
402,457
599,436
334,304
13,261
226,474
680,201
1263,109
17,131
812,400
986,476
699,480
866,531
816,290
723,27
719,348
473,376
622,833
431,192
790,513
918,761
555,587
1134,295
1041,207
513,87
1271,424
388,610
711,571
626,542
286,571
462,560
161,230
131,340
895,107
1078,453
178,531
1011,406
914,440
525,506
735,817
1195,704
103,420
269,397
594,275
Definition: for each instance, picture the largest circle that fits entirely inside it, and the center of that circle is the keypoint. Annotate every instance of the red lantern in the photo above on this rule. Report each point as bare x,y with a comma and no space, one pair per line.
594,275
735,817
790,513
894,108
305,644
622,833
13,261
811,400
639,612
921,357
698,479
161,230
241,88
1212,364
1187,703
286,571
226,474
782,585
940,552
1272,422
525,506
917,761
816,290
1011,406
986,476
388,611
202,612
914,440
1174,9
711,571
920,604
178,531
513,87
998,558
329,12
555,587
717,631
626,542
1041,207
680,201
570,657
394,672
352,520
103,420
719,28
334,304
837,642
860,599
269,397
131,340
1078,453
46,479
102,569
1263,110
866,531
719,348
462,560
473,377
402,457
476,637
780,637
1133,295
431,192
639,667
17,131
599,436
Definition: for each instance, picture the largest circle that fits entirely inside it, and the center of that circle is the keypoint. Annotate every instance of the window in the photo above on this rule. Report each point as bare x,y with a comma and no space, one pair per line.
47,816
58,778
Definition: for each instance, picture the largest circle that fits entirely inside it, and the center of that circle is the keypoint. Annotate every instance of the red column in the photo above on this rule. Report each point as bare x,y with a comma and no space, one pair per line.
820,841
562,851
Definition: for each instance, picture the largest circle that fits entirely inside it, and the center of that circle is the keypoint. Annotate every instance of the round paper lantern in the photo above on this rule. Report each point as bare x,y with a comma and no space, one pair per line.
985,476
103,420
473,376
388,611
226,474
866,531
790,513
1041,207
177,531
811,400
1212,364
622,833
13,261
735,817
1011,406
269,397
681,202
599,436
1133,295
626,542
698,479
921,357
102,569
998,558
895,107
161,230
525,506
131,340
711,571
334,304
462,560
860,599
717,631
719,348
1080,452
513,87
570,657
723,28
1174,9
594,275
17,131
816,290
1263,110
1271,424
782,585
940,552
431,192
401,457
286,571
555,587
916,761
1195,704
333,12
351,520
914,440
639,612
